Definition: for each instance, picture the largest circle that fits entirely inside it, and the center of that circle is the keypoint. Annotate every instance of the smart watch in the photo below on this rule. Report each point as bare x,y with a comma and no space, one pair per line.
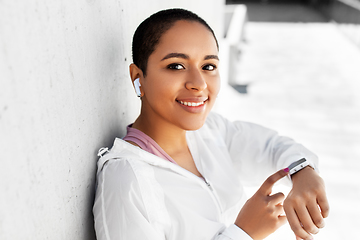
298,165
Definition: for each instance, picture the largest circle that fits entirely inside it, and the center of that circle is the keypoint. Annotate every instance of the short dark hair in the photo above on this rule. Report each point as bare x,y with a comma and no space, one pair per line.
149,32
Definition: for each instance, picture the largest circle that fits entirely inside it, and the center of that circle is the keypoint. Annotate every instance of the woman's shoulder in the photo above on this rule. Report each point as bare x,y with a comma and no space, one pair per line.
119,168
124,170
122,161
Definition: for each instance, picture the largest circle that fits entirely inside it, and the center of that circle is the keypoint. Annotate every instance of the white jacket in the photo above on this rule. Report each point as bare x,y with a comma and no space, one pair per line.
141,196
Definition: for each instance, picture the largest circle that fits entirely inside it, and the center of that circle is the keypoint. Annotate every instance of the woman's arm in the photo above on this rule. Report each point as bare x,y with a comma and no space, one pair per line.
256,151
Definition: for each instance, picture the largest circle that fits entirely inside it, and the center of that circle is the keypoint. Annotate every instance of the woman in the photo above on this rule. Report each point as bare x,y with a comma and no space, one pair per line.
179,171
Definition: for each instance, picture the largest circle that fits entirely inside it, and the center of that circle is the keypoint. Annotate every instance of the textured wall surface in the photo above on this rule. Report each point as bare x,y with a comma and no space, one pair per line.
65,92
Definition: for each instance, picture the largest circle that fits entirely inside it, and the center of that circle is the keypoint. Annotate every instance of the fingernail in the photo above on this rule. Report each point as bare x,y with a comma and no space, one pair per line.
286,169
322,224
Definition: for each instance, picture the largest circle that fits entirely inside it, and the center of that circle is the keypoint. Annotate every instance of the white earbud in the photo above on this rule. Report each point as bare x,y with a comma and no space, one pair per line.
137,87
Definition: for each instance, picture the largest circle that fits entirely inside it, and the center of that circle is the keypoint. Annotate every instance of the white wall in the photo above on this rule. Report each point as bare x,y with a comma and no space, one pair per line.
65,92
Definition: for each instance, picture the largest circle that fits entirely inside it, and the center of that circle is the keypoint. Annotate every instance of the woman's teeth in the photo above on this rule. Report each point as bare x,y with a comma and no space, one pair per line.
191,104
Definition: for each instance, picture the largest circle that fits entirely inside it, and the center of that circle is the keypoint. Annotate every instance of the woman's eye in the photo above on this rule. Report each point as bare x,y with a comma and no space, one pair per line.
175,66
209,67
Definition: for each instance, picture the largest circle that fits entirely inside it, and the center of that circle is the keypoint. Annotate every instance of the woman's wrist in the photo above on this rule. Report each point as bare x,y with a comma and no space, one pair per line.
308,169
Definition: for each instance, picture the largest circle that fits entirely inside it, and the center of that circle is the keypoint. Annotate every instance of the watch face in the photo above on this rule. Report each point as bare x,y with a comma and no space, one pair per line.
299,162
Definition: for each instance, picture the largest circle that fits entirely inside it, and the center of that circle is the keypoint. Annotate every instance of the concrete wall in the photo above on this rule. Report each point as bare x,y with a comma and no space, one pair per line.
65,92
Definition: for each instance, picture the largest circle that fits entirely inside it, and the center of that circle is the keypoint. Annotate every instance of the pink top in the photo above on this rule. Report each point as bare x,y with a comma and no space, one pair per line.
146,143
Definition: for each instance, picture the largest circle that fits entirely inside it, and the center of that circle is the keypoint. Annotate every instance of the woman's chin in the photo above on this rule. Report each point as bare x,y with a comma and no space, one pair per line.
192,125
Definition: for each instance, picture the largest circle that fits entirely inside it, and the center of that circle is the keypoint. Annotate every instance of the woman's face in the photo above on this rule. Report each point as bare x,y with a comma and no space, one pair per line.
182,79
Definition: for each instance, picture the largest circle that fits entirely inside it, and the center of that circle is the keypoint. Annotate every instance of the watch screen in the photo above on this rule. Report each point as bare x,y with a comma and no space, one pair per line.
297,163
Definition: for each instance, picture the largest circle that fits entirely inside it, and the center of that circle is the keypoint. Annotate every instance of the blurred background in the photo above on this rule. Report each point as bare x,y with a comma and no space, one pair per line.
297,70
65,92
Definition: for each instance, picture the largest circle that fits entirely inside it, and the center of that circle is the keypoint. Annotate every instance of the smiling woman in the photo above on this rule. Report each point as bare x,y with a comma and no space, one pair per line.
178,173
182,68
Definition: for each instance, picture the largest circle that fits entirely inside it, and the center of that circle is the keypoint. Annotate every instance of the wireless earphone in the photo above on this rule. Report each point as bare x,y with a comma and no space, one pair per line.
137,87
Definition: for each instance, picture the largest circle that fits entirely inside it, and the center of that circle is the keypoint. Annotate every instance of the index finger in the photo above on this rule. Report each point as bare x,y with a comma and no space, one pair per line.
267,186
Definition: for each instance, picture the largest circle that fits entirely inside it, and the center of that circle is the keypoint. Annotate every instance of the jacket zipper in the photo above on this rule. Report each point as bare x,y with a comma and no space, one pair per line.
213,195
208,184
204,183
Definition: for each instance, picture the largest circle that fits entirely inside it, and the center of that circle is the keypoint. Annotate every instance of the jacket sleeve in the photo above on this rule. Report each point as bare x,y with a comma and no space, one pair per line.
256,151
119,210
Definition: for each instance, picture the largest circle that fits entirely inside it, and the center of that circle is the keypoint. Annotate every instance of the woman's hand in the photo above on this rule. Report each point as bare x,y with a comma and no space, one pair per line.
306,206
262,214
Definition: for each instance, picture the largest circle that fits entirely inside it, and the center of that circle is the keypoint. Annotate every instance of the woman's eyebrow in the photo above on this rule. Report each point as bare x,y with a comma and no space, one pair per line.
175,55
207,57
185,56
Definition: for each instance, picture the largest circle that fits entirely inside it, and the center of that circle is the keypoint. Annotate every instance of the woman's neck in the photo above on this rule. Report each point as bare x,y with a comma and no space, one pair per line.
169,137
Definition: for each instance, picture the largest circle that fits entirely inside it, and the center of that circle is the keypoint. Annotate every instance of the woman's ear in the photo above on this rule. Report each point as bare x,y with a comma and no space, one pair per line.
136,75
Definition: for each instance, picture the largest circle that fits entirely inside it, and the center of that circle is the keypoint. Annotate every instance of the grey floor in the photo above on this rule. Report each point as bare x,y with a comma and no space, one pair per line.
303,79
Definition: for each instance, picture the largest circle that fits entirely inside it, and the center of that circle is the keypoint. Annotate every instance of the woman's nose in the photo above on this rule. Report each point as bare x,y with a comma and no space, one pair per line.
196,81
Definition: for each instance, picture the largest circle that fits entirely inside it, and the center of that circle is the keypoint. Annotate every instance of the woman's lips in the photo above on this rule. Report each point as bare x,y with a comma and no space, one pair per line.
193,105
